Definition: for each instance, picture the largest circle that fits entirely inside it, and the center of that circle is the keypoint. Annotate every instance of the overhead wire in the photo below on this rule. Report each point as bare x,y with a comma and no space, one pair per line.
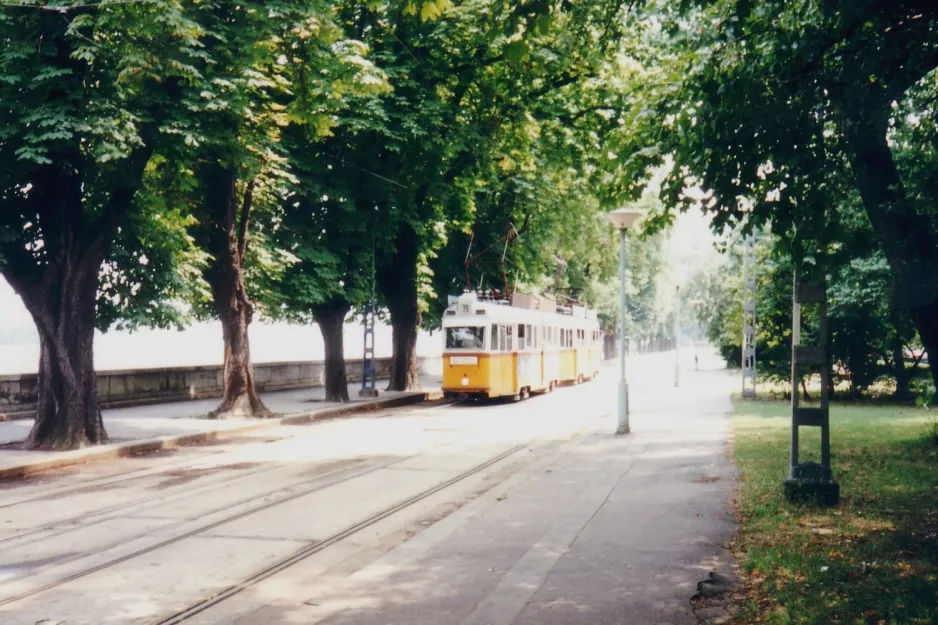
62,8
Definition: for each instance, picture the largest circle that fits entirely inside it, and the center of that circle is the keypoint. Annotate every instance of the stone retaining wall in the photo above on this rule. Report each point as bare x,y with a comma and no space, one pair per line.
141,386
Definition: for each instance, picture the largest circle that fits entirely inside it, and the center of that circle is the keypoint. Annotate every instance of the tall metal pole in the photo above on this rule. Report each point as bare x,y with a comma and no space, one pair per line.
369,376
749,318
623,425
677,337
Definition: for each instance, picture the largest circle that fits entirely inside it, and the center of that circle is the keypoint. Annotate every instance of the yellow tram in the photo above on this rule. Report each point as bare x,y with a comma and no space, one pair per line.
528,345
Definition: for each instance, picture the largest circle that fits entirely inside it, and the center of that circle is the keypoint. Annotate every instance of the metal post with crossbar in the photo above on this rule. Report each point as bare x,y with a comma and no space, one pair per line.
810,480
369,373
749,319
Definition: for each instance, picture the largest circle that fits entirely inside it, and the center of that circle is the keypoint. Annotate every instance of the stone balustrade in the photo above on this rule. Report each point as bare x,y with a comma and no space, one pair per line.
142,386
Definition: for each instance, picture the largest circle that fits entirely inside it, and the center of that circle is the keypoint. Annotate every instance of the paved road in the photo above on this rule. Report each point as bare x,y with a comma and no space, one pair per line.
513,513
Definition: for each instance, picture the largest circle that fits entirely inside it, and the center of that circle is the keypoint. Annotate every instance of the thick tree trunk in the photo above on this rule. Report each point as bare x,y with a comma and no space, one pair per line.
405,375
240,398
398,284
228,243
907,237
331,321
67,411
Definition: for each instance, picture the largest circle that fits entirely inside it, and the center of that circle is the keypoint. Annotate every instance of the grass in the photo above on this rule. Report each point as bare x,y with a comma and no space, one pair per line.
873,558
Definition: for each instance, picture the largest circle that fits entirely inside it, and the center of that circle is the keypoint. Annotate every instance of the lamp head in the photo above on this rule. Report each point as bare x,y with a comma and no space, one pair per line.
623,218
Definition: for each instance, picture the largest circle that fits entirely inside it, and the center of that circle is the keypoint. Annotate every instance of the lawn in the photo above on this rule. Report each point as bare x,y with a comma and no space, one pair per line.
873,558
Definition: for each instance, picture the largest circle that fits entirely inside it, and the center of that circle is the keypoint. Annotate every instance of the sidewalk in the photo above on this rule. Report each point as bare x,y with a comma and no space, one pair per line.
160,426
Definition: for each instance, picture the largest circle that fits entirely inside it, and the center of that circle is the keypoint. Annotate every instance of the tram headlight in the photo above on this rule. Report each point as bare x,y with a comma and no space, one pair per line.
465,381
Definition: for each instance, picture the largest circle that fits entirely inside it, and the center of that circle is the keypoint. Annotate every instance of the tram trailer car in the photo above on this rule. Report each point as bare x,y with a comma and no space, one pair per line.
500,349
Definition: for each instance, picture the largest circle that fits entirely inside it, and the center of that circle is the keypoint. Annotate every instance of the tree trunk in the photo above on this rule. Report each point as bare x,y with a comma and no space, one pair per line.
609,346
908,238
405,375
240,398
398,284
67,411
227,244
331,320
902,374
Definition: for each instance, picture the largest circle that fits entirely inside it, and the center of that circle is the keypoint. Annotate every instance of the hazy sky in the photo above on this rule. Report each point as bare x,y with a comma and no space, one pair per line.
12,312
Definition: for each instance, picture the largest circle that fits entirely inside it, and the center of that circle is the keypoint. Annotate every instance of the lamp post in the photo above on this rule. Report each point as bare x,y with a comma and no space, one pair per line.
677,336
696,304
622,219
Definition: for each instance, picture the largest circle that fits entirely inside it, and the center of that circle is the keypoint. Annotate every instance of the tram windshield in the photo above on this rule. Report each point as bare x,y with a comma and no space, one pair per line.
466,337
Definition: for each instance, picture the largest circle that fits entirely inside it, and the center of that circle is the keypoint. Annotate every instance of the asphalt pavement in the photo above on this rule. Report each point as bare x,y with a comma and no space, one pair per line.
495,514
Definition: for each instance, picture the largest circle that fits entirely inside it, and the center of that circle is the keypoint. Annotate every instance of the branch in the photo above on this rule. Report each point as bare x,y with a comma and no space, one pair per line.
120,200
561,82
245,221
524,225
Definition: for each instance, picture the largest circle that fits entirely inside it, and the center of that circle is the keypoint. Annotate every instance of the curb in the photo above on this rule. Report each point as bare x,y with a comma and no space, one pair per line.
171,441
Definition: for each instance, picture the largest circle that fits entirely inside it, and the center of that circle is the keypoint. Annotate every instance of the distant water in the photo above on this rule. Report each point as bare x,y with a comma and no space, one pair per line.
201,344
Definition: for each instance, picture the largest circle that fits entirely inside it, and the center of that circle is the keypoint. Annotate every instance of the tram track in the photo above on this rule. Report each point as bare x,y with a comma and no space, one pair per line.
314,547
68,524
202,528
307,550
71,524
289,493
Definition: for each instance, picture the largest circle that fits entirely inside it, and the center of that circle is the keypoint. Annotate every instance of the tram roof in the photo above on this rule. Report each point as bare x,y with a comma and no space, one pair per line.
483,312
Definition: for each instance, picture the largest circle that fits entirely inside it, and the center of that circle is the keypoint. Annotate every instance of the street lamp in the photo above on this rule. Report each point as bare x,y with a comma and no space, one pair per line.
677,337
622,219
696,304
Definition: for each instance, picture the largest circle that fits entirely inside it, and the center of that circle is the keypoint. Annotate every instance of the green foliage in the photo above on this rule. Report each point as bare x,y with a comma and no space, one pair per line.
800,117
868,336
84,100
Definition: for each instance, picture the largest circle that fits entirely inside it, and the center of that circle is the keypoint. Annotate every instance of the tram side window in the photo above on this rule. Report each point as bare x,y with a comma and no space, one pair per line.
521,336
509,332
502,345
529,340
465,337
493,338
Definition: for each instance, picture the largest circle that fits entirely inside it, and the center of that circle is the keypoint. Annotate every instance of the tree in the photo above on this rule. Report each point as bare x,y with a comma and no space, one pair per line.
331,239
764,103
237,168
85,102
461,80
